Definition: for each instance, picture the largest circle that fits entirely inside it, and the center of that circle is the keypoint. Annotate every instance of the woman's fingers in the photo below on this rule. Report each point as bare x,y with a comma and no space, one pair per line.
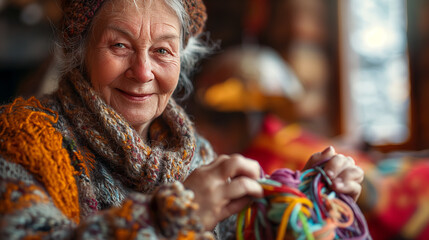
224,187
342,170
319,157
351,188
238,165
338,164
240,191
345,175
242,186
353,173
235,206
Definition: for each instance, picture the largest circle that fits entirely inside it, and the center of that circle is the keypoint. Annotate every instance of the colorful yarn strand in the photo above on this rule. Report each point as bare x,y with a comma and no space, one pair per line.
301,206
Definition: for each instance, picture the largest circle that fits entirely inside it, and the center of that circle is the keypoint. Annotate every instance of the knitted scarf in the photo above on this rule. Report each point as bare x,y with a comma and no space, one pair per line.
142,166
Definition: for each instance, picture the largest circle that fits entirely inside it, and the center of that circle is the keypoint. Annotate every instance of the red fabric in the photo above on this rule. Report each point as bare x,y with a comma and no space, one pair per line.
403,202
283,146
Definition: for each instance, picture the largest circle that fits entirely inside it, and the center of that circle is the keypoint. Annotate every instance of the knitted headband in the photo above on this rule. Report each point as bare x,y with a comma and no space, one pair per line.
79,13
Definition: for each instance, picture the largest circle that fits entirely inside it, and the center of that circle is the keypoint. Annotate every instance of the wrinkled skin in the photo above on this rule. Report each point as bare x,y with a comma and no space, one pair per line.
133,59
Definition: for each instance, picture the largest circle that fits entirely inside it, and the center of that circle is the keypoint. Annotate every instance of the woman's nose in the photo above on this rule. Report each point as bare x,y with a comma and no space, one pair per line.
141,69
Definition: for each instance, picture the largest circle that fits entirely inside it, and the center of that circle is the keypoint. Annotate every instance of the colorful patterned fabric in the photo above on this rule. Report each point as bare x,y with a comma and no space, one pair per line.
401,209
70,166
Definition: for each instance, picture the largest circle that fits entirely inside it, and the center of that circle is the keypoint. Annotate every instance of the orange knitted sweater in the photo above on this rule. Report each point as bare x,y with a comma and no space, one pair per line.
53,185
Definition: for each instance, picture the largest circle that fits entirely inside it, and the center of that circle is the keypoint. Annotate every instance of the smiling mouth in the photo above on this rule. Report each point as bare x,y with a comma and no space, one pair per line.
134,96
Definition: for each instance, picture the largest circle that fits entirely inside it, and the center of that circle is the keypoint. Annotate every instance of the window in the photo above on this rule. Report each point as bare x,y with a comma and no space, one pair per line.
375,73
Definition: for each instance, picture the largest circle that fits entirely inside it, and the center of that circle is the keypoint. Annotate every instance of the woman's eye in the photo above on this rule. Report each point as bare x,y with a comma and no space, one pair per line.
119,45
162,51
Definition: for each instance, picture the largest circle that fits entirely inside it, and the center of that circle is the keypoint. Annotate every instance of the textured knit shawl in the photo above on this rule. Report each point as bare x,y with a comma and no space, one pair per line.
139,165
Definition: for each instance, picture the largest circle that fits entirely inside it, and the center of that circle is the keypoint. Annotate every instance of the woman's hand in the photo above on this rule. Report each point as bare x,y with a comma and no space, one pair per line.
224,187
345,175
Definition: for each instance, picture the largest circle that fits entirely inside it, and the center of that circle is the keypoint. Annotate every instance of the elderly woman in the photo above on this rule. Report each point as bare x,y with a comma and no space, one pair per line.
110,154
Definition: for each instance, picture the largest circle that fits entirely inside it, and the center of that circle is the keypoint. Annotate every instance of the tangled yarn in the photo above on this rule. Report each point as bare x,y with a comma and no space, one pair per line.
301,206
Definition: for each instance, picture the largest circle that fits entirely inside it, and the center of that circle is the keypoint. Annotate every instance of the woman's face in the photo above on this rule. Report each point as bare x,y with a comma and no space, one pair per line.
133,58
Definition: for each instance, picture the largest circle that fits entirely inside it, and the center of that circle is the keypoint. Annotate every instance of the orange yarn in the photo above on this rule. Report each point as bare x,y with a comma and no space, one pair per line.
86,163
29,139
28,195
122,233
188,235
125,212
34,237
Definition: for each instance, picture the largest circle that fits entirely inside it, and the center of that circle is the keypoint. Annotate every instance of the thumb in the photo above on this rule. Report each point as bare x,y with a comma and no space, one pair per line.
328,153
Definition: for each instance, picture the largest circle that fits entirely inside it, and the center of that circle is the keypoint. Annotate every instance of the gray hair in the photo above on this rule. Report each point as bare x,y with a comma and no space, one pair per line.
191,51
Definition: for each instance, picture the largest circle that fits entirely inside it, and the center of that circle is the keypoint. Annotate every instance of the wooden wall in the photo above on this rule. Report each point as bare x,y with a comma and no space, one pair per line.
418,38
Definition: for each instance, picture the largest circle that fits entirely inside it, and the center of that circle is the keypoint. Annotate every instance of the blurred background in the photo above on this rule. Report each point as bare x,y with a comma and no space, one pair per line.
289,78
